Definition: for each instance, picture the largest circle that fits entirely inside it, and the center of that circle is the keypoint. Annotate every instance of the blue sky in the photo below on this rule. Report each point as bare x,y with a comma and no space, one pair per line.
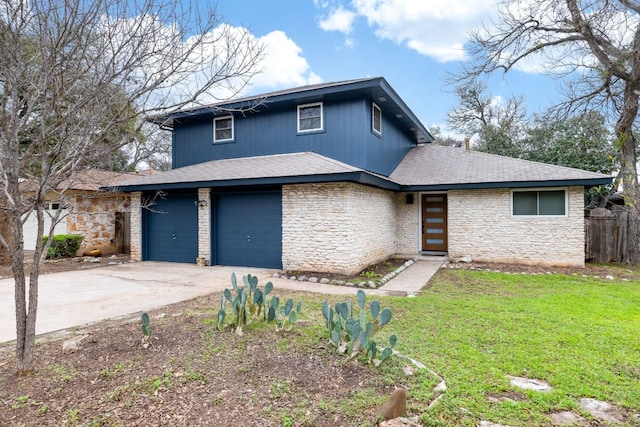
411,43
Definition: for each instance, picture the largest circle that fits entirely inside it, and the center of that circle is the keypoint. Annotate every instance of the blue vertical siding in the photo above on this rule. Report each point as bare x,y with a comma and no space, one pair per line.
383,152
347,137
192,143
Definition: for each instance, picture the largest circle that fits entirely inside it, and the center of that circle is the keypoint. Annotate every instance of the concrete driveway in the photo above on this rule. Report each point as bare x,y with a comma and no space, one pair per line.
76,298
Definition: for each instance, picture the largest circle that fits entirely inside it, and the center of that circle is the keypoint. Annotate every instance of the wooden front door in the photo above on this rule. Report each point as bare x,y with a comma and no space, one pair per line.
434,222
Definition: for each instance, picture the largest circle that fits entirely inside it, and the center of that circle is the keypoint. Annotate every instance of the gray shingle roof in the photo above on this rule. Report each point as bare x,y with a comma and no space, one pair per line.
425,167
273,166
433,164
288,91
88,180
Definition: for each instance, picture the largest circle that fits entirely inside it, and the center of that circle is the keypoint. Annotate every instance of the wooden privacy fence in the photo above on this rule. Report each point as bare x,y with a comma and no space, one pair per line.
612,236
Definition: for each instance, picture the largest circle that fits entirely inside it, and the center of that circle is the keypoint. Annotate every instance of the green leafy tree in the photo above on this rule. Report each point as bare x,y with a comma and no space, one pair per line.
500,139
582,142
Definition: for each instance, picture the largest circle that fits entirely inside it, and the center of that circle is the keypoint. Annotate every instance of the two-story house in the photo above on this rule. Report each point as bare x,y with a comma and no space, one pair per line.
337,176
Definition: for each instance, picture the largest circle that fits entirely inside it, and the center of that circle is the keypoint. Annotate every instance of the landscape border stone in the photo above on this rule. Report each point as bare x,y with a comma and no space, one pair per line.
371,284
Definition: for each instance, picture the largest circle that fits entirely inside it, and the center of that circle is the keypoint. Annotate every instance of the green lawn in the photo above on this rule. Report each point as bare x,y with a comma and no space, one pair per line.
579,334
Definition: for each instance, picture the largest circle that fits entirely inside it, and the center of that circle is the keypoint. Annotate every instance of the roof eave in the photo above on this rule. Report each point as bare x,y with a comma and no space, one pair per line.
361,177
384,85
589,182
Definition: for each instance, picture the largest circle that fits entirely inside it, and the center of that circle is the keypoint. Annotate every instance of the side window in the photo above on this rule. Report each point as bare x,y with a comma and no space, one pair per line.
539,203
376,119
310,117
223,129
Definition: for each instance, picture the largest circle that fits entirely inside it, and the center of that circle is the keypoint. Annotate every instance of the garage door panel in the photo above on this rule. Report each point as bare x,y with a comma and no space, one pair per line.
172,229
248,230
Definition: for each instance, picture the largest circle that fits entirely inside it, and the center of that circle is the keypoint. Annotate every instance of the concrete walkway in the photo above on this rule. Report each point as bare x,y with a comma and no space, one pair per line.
413,279
77,298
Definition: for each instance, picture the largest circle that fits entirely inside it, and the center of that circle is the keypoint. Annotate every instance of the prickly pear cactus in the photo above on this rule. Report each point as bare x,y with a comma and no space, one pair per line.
251,303
146,330
353,333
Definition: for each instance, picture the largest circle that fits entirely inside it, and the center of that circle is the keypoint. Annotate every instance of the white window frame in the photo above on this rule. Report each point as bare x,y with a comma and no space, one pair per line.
315,104
374,109
216,120
540,190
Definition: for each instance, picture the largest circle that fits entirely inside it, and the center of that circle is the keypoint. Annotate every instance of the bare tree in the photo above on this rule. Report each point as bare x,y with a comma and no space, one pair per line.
499,125
151,151
594,45
77,81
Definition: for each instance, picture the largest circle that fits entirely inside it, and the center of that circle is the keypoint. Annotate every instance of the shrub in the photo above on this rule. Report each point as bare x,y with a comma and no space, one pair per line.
63,245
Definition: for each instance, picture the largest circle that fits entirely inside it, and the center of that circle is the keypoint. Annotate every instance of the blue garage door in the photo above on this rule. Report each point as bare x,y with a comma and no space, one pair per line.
171,229
248,230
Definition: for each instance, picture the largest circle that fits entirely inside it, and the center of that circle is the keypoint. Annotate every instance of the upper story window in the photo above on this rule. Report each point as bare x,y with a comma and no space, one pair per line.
539,203
223,129
310,117
376,119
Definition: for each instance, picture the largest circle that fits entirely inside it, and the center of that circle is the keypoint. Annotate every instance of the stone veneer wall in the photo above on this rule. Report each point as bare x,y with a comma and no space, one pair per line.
407,224
481,226
336,227
93,215
204,225
136,226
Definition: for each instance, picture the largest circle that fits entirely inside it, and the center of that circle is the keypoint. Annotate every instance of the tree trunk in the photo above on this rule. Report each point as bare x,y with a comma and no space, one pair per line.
5,230
626,144
23,354
26,308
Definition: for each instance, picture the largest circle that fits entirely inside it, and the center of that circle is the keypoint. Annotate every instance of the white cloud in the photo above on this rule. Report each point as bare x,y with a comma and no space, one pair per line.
283,64
434,29
340,19
349,43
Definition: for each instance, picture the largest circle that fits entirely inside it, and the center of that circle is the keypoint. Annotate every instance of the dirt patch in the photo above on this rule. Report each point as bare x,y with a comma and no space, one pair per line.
373,272
192,375
66,264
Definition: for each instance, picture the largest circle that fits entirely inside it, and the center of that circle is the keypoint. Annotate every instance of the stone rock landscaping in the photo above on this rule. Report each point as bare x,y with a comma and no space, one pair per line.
370,278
